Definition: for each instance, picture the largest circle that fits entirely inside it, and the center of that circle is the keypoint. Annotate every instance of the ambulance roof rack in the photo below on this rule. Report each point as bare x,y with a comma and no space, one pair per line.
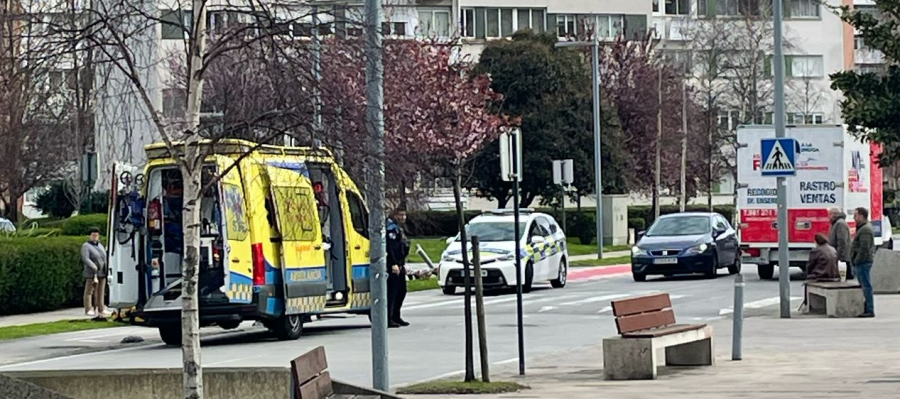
507,211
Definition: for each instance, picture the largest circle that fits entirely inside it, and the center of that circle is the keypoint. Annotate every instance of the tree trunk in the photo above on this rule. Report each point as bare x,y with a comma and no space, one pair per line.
404,201
470,357
479,313
658,168
191,170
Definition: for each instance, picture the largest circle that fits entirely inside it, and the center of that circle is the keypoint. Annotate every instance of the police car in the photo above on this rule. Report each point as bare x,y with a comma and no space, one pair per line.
543,251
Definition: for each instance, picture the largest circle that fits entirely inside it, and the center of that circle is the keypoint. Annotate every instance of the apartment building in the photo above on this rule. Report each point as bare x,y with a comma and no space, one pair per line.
857,55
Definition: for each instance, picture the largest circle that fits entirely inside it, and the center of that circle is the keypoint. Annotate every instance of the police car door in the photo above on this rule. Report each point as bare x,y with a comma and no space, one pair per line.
123,245
302,253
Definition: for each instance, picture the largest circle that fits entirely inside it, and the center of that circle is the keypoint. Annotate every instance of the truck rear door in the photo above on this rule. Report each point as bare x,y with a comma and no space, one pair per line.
819,184
123,240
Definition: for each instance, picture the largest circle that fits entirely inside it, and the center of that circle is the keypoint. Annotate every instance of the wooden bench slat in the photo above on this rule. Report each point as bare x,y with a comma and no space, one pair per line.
645,321
309,365
659,332
317,388
641,304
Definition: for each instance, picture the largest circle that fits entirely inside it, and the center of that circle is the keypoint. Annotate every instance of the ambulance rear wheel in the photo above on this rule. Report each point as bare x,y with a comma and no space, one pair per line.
288,327
171,334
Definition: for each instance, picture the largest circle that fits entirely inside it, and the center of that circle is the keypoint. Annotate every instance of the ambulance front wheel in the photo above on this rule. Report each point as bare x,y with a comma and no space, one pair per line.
288,327
171,334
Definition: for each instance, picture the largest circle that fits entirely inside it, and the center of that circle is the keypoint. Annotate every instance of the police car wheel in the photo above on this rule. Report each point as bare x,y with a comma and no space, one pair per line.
562,277
529,278
171,334
288,327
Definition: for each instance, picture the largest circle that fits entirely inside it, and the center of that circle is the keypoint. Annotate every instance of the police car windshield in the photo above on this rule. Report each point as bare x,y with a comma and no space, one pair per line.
680,226
493,231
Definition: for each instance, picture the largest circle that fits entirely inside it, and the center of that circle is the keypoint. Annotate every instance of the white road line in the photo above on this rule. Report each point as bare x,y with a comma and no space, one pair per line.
605,310
55,359
594,299
511,360
546,309
239,359
434,305
757,304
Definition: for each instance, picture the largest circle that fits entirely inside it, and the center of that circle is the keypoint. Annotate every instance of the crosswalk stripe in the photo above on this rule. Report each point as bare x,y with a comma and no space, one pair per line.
757,304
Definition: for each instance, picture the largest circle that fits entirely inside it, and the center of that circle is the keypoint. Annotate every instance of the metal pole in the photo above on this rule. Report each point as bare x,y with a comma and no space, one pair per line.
684,133
375,192
738,322
479,312
784,276
519,275
562,201
598,164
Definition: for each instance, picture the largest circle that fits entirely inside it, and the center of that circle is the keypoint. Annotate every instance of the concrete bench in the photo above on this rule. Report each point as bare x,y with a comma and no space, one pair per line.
311,380
646,326
834,299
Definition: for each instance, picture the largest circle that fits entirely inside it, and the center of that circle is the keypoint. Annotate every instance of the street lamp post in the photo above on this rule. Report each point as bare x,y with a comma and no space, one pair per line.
598,165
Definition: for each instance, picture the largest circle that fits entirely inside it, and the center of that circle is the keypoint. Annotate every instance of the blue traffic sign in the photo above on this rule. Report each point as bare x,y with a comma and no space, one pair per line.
779,156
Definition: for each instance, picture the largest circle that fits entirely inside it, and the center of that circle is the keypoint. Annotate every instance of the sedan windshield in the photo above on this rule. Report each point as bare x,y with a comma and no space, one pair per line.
492,231
680,226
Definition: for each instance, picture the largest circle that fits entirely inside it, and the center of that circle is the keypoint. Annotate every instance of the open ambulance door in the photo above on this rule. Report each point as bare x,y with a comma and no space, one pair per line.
125,221
302,252
237,263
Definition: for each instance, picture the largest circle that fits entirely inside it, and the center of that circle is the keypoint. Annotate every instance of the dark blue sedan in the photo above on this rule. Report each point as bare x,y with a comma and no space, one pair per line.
686,243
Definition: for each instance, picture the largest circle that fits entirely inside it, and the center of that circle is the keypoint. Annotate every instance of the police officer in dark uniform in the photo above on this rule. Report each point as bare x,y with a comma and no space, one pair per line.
397,250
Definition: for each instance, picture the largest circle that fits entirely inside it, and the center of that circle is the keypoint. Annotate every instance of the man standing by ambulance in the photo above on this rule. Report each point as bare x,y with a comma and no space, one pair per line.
863,252
397,247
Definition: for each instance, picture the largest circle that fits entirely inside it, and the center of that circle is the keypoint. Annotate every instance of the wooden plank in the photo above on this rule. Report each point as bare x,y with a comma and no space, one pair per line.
317,388
309,365
659,332
645,321
641,304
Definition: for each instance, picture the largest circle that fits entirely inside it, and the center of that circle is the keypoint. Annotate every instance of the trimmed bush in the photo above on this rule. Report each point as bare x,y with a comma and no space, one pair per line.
646,211
637,224
81,225
435,223
40,274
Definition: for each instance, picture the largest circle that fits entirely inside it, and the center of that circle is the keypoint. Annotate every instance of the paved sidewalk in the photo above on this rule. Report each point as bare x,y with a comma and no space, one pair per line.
804,357
45,317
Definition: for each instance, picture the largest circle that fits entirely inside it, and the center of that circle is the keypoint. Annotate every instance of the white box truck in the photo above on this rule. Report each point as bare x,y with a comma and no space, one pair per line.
834,170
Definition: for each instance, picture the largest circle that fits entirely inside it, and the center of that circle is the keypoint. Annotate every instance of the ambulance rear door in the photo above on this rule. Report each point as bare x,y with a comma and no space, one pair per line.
123,245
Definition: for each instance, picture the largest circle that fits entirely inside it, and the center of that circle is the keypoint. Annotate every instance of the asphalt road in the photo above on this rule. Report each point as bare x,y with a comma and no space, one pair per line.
555,320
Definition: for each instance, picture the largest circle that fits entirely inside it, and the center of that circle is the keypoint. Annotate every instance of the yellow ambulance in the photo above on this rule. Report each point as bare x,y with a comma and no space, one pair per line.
284,237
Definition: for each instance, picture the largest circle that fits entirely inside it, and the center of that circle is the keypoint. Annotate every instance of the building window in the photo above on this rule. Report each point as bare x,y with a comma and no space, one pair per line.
434,22
467,18
803,8
656,5
610,26
728,120
393,28
800,118
804,66
566,25
678,7
530,19
176,24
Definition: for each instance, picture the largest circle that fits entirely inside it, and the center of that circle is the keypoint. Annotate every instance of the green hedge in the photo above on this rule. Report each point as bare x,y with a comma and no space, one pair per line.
40,274
646,212
81,225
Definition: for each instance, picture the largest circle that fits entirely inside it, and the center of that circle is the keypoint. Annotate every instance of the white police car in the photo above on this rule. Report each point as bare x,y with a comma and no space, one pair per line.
542,243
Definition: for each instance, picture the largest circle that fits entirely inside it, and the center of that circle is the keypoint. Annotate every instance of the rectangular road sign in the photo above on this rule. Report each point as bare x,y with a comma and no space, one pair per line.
511,154
563,172
779,156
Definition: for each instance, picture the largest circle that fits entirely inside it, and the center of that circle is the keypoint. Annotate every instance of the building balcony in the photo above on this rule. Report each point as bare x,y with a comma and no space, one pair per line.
868,56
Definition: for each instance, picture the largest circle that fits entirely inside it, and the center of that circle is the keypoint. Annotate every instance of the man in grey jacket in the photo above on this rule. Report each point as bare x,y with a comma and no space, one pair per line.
863,252
93,255
839,238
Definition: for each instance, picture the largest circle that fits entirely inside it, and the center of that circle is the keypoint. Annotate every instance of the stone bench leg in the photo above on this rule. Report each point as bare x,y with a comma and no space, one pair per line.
845,303
815,304
629,359
697,353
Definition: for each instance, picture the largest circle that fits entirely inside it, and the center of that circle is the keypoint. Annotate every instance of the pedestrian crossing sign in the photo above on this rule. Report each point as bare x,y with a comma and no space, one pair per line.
779,156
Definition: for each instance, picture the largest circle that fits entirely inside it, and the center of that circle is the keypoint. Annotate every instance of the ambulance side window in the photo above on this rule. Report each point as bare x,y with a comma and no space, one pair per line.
358,214
236,218
270,215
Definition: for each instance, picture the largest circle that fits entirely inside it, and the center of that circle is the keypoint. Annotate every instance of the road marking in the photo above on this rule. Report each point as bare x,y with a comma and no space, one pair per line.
510,360
605,309
55,359
233,360
434,305
594,299
93,338
546,309
757,304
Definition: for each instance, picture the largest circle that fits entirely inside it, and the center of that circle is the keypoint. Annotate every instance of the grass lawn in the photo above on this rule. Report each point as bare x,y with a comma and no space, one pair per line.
435,246
460,388
422,285
31,330
622,260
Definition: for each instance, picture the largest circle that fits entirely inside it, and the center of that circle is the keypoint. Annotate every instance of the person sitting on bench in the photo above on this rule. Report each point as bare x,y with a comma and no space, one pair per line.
823,262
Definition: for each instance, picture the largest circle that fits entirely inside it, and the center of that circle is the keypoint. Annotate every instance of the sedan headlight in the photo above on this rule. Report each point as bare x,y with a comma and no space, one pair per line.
509,256
697,249
635,250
